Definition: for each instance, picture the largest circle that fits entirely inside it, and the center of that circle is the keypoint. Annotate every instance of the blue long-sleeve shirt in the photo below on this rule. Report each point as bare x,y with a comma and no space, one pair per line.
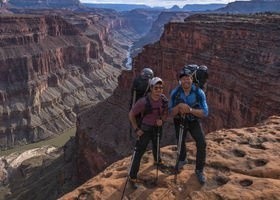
195,99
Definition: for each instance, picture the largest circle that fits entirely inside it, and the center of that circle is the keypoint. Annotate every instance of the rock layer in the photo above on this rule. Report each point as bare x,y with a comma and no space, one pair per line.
49,69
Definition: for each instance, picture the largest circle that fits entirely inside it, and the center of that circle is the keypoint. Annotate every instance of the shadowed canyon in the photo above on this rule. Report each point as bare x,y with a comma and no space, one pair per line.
64,69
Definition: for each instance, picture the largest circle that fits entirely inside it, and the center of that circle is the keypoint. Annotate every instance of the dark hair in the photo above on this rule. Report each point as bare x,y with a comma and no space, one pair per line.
185,72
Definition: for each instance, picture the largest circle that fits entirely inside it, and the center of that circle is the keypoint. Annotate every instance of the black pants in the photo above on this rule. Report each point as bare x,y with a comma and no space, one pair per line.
150,133
195,129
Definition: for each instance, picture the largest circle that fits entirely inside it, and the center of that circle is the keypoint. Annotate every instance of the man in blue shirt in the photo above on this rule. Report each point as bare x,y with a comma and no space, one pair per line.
187,105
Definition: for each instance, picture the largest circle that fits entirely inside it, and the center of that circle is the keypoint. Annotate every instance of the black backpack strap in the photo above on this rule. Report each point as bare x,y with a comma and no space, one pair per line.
148,106
147,90
177,98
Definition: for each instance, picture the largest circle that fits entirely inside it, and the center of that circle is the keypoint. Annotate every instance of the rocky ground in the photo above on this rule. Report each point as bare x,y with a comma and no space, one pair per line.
241,164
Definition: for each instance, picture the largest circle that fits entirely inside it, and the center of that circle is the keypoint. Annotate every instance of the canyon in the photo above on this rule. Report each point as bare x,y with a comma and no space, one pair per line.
68,69
54,66
47,69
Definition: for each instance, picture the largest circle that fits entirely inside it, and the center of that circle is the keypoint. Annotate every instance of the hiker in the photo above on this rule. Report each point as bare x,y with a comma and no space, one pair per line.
151,122
187,105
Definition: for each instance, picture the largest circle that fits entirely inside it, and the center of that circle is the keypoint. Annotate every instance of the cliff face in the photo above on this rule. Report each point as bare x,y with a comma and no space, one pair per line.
242,54
242,57
49,69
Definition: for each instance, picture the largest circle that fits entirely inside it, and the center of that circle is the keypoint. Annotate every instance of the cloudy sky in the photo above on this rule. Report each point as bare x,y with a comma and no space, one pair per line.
165,3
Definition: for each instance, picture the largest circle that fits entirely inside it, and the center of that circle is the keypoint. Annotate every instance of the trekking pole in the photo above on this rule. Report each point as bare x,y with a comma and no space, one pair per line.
132,103
179,145
129,169
158,135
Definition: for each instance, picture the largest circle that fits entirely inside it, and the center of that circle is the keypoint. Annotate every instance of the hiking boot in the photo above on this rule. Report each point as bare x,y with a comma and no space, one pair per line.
182,163
200,176
133,182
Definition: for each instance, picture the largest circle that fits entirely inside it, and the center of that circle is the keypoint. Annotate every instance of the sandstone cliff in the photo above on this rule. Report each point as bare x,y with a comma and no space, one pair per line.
241,164
49,69
241,53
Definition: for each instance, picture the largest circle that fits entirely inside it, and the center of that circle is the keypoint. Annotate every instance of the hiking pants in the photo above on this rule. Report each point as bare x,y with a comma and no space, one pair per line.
150,133
195,129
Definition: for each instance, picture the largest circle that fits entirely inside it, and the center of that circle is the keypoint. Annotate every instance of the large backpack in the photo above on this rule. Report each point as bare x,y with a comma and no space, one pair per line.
200,75
139,89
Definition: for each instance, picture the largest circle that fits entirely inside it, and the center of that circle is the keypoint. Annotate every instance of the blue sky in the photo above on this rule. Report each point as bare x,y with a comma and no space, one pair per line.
165,3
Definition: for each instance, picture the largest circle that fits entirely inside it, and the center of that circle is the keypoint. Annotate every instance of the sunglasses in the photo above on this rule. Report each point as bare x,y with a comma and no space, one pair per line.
158,88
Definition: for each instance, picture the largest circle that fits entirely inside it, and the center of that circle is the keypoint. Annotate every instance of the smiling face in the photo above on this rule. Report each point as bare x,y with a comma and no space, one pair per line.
157,89
186,82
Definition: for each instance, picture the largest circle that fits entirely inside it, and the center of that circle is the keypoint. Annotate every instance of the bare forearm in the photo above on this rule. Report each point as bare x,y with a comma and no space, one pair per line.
197,112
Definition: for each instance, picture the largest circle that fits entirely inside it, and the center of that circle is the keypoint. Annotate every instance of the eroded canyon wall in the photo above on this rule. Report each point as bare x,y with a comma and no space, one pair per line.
49,69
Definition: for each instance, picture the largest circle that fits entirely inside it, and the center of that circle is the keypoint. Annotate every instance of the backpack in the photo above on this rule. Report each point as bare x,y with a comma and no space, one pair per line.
200,75
139,89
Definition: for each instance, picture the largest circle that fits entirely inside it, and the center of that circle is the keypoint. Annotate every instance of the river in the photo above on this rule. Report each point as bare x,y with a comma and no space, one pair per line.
57,141
128,63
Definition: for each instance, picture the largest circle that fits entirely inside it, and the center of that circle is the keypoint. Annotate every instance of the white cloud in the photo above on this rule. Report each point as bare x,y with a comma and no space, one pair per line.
165,3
